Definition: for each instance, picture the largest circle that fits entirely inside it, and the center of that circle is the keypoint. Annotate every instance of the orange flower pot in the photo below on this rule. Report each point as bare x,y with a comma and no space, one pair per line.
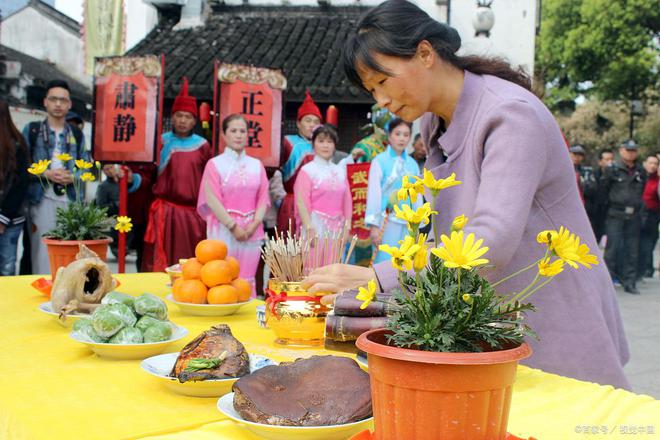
425,395
63,252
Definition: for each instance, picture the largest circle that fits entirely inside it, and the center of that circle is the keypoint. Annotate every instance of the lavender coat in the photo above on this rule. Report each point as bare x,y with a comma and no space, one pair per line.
518,180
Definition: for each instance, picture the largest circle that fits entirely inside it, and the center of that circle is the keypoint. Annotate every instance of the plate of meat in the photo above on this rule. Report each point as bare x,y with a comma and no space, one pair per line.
318,398
208,366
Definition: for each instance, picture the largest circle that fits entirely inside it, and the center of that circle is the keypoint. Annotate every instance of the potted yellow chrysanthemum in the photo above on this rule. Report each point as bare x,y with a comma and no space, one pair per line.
80,222
446,362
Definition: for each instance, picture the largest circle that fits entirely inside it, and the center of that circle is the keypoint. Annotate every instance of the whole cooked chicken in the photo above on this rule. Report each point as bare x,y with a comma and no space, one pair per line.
82,284
215,354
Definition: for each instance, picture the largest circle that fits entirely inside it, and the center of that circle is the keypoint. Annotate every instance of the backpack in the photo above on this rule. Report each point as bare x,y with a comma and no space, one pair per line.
33,133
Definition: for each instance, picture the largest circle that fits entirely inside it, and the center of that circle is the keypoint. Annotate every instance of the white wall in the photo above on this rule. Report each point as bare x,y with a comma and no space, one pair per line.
512,36
140,17
30,32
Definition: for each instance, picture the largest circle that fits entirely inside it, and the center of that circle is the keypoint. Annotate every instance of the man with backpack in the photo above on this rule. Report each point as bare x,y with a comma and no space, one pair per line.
46,140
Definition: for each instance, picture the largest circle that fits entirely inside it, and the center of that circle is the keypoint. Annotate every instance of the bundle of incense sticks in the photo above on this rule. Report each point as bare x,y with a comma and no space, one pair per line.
291,258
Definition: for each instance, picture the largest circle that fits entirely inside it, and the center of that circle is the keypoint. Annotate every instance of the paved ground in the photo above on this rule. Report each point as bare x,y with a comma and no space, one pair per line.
641,319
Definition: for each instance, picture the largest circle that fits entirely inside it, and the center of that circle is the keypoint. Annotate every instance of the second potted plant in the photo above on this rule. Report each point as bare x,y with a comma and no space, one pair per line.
80,222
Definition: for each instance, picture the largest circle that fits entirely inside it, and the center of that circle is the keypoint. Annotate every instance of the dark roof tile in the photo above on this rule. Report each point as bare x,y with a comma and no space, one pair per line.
304,42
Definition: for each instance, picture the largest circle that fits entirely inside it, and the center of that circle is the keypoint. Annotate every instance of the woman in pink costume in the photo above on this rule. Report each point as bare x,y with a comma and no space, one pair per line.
233,198
323,197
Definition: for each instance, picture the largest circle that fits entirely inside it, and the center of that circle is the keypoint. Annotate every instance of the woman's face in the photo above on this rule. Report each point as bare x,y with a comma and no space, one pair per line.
399,138
405,93
324,146
236,135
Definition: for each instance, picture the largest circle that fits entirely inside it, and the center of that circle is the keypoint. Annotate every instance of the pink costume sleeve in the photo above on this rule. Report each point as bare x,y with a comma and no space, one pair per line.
348,203
212,177
303,190
263,196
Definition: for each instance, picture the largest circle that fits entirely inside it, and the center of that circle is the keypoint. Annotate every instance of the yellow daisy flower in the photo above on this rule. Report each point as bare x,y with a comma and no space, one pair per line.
468,298
123,224
402,256
64,157
565,245
457,252
419,216
422,254
87,177
545,237
435,185
410,189
367,295
459,223
548,269
83,165
585,258
38,168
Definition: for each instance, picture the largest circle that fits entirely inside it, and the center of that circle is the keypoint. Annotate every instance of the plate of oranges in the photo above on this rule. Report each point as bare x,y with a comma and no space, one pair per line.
210,283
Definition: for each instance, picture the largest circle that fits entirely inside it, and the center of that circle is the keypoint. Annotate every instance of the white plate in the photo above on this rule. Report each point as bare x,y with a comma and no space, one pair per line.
47,308
132,351
160,367
207,309
274,432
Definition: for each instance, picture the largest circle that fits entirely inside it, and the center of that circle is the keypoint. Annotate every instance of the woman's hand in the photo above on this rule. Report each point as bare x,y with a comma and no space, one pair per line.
357,153
251,228
239,233
375,235
336,278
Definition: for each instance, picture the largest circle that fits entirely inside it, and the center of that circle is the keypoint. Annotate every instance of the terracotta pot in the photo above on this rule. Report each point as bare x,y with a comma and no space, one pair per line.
425,395
63,252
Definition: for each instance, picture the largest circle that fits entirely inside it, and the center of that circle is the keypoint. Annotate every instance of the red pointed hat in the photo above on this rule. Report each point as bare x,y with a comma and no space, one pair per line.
308,107
183,102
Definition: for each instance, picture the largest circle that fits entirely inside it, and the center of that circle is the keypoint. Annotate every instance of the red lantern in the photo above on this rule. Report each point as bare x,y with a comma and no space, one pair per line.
332,116
205,114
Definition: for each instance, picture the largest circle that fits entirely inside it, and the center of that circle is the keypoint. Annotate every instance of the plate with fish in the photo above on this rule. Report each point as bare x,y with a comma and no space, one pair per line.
208,366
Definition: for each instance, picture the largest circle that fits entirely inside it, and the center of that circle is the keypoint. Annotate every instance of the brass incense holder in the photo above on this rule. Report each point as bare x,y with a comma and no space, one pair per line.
296,317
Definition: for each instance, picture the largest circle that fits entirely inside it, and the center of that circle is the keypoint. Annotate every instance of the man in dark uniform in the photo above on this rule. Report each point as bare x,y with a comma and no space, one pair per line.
623,185
605,160
586,178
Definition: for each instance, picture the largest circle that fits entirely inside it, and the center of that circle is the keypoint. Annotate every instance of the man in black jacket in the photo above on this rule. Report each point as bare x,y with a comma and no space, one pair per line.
622,185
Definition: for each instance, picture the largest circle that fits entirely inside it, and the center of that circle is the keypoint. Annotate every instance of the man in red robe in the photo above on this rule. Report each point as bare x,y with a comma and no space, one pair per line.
296,151
174,228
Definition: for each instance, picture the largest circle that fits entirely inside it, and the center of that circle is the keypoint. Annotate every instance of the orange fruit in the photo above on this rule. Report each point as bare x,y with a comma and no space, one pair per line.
244,288
191,269
216,272
207,250
193,291
223,294
176,287
235,267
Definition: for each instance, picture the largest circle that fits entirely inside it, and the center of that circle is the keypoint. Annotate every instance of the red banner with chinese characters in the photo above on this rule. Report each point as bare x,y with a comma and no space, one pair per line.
255,93
126,105
358,181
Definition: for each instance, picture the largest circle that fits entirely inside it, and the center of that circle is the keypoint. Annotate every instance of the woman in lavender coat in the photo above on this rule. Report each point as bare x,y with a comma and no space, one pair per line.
480,121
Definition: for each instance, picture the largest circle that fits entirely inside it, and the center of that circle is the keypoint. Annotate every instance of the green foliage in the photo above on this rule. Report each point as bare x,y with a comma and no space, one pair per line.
436,317
81,221
598,47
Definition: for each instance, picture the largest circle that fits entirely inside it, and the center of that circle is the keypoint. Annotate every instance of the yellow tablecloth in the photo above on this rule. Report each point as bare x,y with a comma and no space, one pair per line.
52,387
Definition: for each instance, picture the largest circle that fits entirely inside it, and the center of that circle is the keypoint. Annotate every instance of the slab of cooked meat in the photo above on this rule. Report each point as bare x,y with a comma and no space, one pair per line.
318,391
212,345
